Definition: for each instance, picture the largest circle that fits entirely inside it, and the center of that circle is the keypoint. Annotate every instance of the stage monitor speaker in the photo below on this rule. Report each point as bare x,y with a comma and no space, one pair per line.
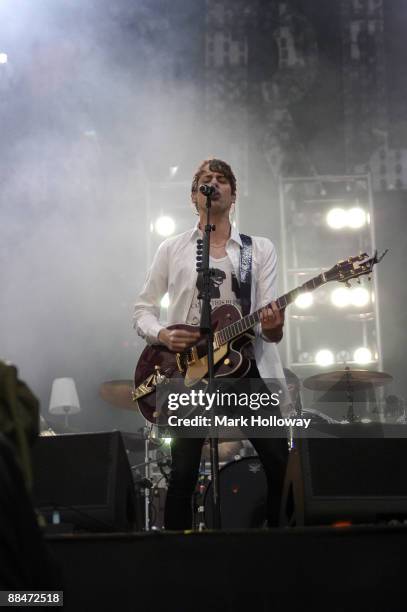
357,478
24,559
85,480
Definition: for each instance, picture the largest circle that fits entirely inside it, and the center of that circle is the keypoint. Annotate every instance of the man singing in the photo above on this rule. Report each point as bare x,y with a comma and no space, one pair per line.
173,271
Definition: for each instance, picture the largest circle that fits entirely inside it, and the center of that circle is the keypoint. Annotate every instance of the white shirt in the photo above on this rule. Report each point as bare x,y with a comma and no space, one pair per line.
174,271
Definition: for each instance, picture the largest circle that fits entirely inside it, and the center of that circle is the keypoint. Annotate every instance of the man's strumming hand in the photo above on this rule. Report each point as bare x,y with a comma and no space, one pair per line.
178,339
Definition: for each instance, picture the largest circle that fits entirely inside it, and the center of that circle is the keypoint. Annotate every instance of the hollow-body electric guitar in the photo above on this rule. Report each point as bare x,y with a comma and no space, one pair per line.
157,364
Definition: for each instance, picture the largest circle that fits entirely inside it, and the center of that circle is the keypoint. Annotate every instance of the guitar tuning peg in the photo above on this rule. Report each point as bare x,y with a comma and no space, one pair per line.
358,281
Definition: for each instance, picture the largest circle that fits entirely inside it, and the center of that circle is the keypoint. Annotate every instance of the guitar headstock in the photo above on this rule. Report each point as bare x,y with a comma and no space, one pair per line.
354,267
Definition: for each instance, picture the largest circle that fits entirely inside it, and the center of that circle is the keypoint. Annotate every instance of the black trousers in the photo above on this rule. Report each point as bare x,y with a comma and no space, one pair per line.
186,457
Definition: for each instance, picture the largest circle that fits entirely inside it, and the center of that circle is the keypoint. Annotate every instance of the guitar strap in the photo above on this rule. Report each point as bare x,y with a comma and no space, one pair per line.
245,273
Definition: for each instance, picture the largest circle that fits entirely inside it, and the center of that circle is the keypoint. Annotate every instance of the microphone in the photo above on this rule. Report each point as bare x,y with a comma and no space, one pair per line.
207,190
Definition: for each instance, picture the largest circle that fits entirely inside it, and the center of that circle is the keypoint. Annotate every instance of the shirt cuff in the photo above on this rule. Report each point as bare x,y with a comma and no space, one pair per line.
151,333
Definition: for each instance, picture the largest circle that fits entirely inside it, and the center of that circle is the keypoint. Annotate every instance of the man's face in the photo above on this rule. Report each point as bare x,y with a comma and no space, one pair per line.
222,199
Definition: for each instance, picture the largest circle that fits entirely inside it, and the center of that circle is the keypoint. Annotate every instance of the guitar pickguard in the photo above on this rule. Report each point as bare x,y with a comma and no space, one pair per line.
199,369
234,364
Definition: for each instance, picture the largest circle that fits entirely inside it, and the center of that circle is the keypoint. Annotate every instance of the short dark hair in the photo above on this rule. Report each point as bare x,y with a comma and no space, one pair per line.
215,165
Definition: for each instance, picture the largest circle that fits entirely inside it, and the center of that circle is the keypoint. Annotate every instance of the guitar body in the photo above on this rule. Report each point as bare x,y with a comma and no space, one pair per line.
157,363
192,365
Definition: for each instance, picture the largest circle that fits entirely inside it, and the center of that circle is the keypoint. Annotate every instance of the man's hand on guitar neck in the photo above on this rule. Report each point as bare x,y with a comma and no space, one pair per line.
178,339
272,322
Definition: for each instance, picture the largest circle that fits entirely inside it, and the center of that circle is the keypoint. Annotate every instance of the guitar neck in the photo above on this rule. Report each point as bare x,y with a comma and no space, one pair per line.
249,321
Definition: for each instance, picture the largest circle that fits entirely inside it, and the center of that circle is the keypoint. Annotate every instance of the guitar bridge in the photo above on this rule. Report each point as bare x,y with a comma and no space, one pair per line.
192,356
184,360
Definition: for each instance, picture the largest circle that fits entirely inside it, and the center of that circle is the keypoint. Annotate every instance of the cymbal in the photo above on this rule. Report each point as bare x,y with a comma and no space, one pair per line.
118,393
341,380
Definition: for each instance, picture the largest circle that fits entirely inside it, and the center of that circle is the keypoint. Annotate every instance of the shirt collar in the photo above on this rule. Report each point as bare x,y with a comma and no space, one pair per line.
234,234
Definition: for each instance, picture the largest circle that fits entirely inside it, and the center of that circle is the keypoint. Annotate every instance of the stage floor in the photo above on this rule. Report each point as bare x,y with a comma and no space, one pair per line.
339,568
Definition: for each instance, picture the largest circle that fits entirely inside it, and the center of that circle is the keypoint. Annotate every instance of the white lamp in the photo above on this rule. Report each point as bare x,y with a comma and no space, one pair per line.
64,398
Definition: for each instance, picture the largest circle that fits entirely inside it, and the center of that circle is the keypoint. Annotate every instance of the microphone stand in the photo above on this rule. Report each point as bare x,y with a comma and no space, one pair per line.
203,249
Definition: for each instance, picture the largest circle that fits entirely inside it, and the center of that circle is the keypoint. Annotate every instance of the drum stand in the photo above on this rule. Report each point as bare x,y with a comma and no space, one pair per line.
350,416
145,484
198,498
147,474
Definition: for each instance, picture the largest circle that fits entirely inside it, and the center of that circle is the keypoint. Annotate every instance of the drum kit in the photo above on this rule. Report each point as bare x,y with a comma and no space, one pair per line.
242,479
